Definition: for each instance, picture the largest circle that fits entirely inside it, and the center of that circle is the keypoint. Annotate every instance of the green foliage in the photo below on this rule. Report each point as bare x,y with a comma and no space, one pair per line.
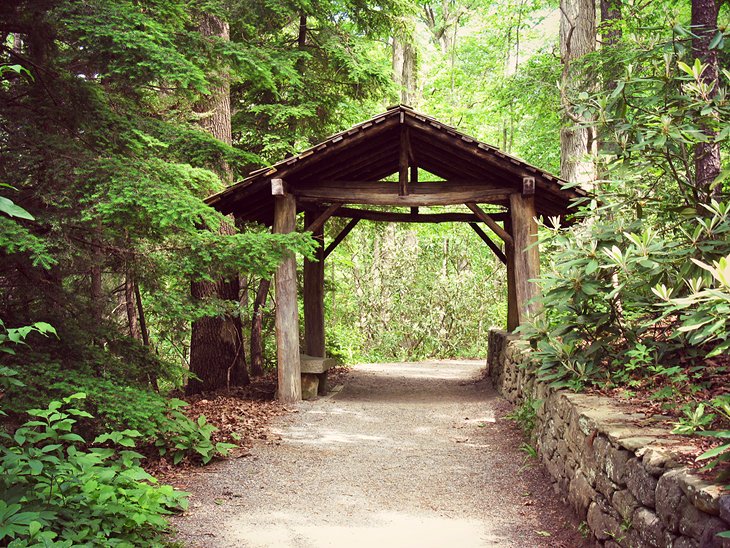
56,491
116,405
179,437
602,318
525,415
400,292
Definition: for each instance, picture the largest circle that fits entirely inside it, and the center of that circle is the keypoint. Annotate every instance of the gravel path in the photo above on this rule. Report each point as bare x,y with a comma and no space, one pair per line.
404,455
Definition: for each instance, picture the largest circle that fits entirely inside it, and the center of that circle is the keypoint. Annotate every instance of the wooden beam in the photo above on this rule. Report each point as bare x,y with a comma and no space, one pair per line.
487,240
287,310
314,225
403,163
277,187
388,194
341,236
395,217
528,186
498,230
314,290
526,254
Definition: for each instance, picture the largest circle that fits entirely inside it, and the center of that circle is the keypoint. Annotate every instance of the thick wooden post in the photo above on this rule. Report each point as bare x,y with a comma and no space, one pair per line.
314,293
513,317
526,255
287,310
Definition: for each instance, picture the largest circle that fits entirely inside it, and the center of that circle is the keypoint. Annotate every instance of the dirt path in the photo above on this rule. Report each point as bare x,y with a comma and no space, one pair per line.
405,455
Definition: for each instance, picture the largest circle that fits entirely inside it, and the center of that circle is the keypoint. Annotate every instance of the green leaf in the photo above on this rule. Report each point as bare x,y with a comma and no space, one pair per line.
13,210
715,451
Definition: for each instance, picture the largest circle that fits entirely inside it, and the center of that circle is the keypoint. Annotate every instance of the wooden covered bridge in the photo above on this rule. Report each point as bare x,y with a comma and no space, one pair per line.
498,190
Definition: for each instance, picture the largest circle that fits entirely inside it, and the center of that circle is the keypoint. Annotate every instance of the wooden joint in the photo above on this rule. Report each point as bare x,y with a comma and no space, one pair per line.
528,186
318,223
278,187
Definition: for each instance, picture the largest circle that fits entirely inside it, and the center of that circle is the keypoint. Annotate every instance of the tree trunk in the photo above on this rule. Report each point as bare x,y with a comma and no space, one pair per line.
577,38
707,155
217,356
404,64
610,16
257,346
129,304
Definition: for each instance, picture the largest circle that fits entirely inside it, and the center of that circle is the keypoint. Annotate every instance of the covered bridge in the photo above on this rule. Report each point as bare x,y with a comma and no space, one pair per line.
350,168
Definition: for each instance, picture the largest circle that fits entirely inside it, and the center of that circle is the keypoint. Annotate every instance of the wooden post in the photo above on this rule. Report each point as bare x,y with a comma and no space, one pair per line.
526,255
314,293
513,317
287,310
403,162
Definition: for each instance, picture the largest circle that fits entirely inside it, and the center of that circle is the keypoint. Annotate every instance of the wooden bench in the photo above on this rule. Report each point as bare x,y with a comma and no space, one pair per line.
314,375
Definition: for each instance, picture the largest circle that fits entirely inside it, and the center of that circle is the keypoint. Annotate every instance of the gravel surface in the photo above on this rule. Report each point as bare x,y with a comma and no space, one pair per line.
413,454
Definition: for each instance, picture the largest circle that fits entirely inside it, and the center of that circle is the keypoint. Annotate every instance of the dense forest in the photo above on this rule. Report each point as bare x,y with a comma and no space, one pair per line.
119,286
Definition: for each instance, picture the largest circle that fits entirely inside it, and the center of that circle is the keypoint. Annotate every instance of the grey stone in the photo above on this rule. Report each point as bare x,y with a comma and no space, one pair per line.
310,385
649,527
616,460
703,494
641,484
692,521
580,494
603,525
605,486
625,503
658,460
723,505
669,498
709,538
684,542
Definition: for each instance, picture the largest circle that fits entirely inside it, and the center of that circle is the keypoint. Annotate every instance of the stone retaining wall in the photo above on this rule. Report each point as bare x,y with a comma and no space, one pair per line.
618,470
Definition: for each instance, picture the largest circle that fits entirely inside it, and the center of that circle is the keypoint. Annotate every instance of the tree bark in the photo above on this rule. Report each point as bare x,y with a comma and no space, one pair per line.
577,38
707,155
217,356
404,64
129,304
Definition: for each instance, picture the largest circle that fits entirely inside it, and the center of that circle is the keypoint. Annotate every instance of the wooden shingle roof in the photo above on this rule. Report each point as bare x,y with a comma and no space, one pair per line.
342,168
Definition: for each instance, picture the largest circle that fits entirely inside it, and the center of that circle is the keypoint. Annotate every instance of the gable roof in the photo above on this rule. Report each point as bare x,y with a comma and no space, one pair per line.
370,151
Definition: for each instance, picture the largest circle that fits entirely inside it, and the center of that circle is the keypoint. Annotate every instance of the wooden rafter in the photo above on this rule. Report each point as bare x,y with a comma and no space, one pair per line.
490,244
491,223
341,236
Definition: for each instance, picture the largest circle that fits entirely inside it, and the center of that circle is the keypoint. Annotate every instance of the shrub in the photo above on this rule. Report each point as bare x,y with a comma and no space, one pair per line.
54,491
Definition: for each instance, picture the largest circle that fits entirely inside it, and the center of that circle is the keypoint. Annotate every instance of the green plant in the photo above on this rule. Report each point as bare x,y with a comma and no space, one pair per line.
720,454
706,309
693,420
525,415
178,436
55,491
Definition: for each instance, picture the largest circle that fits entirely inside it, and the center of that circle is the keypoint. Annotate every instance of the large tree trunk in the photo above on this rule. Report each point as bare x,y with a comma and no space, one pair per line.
404,65
577,38
707,155
217,356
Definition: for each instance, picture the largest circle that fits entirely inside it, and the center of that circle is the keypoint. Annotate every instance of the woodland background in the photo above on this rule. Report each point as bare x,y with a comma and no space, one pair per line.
117,118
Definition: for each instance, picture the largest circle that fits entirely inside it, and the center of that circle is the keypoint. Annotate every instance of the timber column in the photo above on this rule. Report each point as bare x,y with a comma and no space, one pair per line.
526,256
314,292
287,310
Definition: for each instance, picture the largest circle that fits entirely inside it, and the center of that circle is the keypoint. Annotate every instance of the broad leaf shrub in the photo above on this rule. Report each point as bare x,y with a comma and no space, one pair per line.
56,491
604,294
117,402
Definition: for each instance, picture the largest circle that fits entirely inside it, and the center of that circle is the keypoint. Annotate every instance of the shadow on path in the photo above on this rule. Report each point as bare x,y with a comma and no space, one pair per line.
404,455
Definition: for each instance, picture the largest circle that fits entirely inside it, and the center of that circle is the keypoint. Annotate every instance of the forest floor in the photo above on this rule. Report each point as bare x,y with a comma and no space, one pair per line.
406,454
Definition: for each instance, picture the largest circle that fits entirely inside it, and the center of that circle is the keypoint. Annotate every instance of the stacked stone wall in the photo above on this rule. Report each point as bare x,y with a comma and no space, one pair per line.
621,472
